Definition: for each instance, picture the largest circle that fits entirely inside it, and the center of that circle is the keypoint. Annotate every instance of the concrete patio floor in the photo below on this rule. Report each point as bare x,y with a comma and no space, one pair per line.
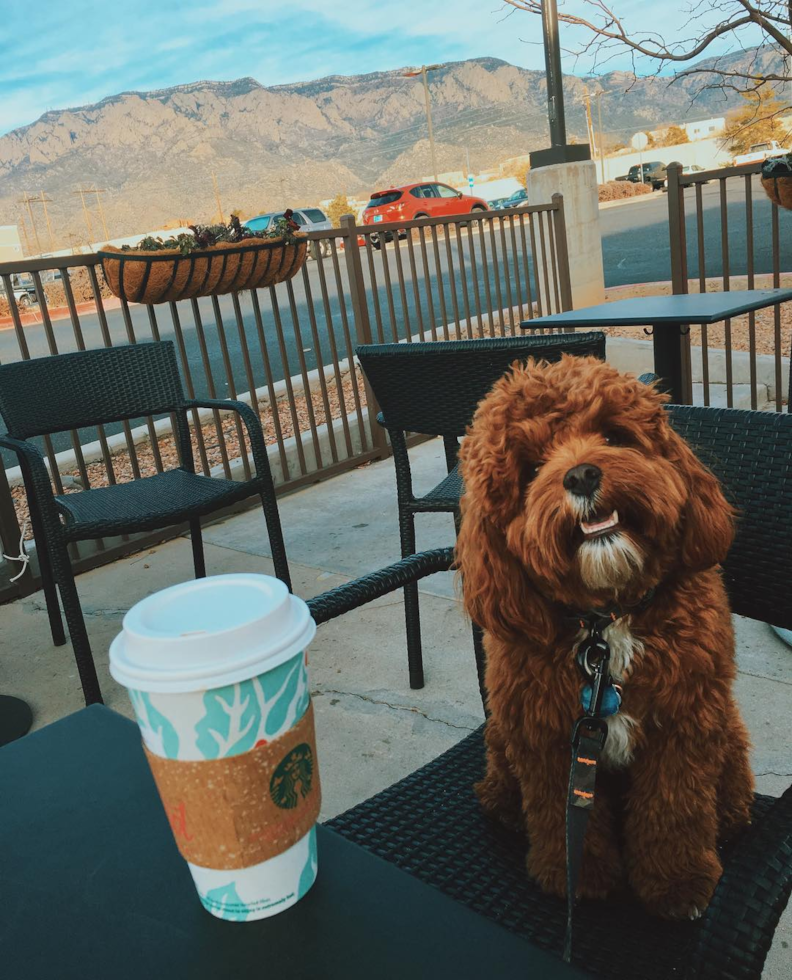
372,729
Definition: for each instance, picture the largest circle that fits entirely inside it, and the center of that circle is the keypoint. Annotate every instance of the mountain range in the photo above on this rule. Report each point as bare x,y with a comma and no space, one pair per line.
153,154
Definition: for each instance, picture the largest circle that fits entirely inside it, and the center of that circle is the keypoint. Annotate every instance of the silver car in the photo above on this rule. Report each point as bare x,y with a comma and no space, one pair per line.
309,219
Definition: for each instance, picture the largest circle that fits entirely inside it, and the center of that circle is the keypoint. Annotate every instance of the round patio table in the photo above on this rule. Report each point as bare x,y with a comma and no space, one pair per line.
15,719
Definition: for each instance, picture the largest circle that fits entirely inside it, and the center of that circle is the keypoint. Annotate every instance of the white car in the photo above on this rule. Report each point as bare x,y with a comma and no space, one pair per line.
760,152
309,219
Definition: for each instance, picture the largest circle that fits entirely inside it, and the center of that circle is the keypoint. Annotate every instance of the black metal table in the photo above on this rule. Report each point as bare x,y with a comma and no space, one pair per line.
669,318
92,885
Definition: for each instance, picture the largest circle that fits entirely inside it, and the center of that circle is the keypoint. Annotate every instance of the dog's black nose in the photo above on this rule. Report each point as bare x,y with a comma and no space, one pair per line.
583,480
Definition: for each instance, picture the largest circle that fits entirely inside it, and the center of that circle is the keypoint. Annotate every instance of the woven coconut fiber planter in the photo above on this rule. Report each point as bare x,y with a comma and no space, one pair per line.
167,275
779,189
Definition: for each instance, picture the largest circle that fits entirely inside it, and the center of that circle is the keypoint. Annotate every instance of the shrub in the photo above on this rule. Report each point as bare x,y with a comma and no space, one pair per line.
642,188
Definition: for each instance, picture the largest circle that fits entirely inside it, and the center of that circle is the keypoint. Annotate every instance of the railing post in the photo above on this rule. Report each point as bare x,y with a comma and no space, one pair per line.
562,252
357,290
676,229
670,347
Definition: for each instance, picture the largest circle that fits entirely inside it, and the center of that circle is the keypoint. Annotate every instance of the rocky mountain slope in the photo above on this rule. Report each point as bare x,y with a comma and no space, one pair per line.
155,152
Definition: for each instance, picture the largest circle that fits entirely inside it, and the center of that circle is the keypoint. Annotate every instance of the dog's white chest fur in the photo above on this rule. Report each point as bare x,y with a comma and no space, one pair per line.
618,749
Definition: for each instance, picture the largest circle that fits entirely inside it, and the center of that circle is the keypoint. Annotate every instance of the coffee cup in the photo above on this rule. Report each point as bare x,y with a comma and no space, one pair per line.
217,673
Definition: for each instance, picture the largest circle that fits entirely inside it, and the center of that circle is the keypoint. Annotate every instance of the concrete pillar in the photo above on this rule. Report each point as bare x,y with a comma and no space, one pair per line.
578,184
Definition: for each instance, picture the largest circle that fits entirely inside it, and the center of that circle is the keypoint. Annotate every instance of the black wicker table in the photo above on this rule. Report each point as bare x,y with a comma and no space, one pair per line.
92,885
669,317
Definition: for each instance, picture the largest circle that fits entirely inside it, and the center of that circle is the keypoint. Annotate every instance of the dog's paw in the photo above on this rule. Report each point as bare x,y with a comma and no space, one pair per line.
685,895
550,877
597,880
501,803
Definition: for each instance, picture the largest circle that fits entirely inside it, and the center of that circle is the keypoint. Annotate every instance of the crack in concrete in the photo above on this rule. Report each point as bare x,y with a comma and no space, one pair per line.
394,707
772,772
764,677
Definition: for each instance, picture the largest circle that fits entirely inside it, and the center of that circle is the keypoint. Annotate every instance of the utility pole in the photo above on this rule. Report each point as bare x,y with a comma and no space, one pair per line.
27,200
23,225
589,123
217,197
601,145
43,199
86,214
424,69
87,211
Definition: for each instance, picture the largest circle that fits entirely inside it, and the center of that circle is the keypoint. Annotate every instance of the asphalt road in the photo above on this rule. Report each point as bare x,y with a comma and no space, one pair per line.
635,249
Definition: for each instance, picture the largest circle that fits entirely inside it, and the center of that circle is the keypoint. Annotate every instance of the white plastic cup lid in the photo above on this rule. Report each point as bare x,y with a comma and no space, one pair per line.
209,633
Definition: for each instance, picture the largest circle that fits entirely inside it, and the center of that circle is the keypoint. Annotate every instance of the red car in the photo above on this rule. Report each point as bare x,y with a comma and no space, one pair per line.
417,201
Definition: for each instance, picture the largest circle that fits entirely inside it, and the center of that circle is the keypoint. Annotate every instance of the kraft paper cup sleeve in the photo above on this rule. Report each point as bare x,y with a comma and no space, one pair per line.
244,809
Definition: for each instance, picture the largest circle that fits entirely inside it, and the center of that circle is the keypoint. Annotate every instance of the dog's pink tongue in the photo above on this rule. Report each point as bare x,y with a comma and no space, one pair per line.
609,522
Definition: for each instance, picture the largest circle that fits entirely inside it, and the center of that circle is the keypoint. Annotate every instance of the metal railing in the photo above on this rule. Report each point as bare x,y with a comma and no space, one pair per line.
726,234
288,349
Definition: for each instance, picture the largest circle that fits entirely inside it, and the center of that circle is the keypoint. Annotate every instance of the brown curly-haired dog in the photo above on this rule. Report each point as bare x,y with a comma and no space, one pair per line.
579,494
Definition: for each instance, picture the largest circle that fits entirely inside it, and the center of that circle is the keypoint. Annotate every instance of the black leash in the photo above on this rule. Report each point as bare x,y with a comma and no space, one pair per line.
588,739
600,698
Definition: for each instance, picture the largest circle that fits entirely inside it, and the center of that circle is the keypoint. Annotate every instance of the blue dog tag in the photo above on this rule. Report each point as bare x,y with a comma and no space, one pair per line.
611,699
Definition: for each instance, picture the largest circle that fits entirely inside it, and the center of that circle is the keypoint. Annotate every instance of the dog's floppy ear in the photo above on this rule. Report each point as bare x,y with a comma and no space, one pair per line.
709,519
498,594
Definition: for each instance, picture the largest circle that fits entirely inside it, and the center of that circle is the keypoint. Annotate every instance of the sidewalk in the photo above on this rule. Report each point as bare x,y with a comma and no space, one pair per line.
372,729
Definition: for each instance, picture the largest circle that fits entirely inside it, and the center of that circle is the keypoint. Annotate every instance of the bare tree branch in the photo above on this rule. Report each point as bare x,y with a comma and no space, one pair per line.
721,19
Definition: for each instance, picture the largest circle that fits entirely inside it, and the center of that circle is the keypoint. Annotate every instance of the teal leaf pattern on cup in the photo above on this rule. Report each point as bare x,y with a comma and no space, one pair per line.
239,716
284,695
159,734
230,723
225,902
308,875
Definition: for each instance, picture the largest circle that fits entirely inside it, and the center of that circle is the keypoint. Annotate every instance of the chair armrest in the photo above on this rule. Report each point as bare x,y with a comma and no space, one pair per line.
252,424
34,473
649,378
737,929
365,589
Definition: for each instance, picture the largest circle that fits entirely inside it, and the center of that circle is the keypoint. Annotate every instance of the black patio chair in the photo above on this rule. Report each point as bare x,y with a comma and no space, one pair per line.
433,389
90,388
431,825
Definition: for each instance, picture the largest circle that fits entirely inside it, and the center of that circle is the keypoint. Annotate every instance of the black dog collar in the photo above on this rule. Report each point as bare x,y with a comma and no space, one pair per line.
596,620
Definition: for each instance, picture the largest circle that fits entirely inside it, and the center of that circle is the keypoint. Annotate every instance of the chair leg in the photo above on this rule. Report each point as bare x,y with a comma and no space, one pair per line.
275,532
481,663
478,639
77,631
197,548
47,578
412,613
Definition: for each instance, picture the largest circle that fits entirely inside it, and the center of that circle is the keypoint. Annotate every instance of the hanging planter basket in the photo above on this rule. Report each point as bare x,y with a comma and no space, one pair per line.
779,189
168,275
777,180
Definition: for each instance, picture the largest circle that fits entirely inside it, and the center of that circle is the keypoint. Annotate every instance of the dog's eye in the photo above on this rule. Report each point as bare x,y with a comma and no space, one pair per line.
614,437
528,474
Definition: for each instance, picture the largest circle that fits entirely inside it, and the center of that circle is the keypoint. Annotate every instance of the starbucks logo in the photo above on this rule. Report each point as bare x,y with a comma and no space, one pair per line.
292,776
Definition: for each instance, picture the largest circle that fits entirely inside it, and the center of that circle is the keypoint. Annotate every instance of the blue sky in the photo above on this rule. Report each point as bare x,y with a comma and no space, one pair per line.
55,54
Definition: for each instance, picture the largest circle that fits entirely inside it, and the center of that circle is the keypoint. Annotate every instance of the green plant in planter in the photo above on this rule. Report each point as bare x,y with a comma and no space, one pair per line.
204,236
778,166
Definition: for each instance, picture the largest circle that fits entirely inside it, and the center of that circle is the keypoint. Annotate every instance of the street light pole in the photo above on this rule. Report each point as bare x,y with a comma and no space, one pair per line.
429,121
559,151
423,73
555,80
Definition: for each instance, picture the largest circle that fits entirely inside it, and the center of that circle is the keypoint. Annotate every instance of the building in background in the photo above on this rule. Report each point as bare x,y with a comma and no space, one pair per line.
704,129
10,244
